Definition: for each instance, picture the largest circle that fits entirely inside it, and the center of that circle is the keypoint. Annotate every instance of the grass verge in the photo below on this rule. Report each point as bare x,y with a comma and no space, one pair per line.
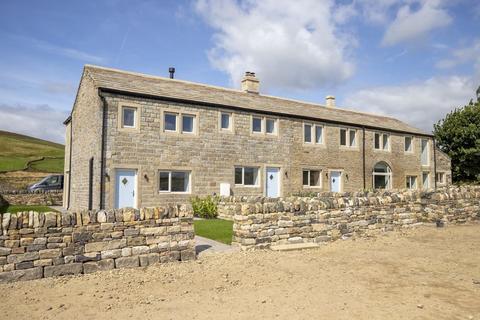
15,209
215,229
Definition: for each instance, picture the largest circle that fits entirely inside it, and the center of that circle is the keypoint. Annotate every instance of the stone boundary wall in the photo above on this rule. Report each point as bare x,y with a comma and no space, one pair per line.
40,198
35,245
261,223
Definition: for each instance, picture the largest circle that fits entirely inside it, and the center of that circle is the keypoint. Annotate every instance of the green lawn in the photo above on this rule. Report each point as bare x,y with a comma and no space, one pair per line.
14,209
215,229
17,150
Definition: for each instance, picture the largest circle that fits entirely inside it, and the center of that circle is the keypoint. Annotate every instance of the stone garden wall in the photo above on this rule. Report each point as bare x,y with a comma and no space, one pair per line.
262,223
40,198
35,245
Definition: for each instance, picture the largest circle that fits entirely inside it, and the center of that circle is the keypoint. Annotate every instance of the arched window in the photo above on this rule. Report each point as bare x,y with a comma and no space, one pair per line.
382,176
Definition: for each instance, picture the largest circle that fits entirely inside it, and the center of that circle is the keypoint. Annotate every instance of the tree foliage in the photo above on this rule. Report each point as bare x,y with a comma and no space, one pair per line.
458,135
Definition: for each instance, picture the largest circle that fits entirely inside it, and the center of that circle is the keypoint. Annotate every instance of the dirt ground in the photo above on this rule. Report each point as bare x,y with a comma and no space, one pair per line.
425,273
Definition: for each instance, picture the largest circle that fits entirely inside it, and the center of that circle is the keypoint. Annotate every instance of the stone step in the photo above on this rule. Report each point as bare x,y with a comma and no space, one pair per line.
294,246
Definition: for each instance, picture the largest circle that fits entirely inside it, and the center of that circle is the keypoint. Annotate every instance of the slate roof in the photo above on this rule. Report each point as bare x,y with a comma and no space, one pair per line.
142,84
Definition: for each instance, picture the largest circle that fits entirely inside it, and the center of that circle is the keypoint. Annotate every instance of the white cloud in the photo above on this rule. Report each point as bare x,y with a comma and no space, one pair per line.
412,25
41,121
375,11
420,104
469,53
292,44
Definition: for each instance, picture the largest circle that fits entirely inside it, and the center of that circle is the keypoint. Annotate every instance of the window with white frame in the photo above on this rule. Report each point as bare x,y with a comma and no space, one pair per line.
411,182
381,141
424,152
382,176
408,144
348,137
270,126
174,181
188,123
226,121
425,180
170,121
129,117
246,176
311,178
440,176
257,125
312,133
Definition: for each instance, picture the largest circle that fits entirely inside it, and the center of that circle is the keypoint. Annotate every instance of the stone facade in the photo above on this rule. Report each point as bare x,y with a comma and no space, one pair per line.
211,154
39,198
262,223
35,245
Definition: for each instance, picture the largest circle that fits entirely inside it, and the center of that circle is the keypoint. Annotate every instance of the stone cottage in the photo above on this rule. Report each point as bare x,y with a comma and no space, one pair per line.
135,140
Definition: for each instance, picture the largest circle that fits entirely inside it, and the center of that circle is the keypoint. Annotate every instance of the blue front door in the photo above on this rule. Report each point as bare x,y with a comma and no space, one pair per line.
273,183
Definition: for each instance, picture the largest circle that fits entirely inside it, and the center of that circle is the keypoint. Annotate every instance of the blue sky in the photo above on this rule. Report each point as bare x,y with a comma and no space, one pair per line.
411,59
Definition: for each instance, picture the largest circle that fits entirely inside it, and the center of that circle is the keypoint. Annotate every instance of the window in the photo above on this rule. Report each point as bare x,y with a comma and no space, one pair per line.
247,176
424,155
382,176
170,120
174,181
408,144
411,182
128,117
271,126
225,121
382,141
311,178
188,123
351,142
256,124
307,133
440,177
318,134
425,180
312,133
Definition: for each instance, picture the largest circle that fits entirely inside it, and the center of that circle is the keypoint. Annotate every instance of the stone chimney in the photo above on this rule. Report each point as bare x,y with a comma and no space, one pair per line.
250,83
330,101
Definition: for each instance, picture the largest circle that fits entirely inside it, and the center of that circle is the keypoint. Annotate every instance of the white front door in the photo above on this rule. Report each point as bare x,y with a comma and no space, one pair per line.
272,182
335,181
125,188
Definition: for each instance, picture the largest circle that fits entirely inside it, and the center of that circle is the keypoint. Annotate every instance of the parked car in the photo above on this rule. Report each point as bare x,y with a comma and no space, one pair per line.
51,182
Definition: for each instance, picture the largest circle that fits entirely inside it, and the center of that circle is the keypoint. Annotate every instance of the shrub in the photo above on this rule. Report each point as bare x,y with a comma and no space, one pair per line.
204,207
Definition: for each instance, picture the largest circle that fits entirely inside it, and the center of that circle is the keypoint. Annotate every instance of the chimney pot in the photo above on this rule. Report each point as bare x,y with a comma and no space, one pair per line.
171,70
330,101
250,83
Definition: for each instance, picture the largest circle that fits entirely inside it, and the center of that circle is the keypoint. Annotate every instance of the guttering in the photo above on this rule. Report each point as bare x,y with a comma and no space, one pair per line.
69,120
225,106
363,156
102,149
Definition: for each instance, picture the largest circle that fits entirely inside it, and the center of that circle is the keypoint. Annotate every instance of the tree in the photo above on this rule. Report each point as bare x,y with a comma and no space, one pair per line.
458,135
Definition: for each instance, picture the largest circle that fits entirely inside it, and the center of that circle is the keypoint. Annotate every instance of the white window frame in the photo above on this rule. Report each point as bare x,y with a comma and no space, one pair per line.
347,138
428,180
189,173
257,180
320,177
427,148
381,141
194,123
443,175
409,179
263,126
388,174
134,117
230,121
177,116
313,133
405,144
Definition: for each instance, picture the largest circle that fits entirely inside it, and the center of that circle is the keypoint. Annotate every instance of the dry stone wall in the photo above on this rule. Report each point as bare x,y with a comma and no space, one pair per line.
35,244
39,198
262,223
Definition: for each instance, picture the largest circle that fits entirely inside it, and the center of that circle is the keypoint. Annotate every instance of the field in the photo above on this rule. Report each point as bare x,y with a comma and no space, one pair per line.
424,273
18,150
24,160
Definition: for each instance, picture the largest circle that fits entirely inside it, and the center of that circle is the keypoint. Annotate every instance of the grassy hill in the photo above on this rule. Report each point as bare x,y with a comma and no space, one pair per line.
20,152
